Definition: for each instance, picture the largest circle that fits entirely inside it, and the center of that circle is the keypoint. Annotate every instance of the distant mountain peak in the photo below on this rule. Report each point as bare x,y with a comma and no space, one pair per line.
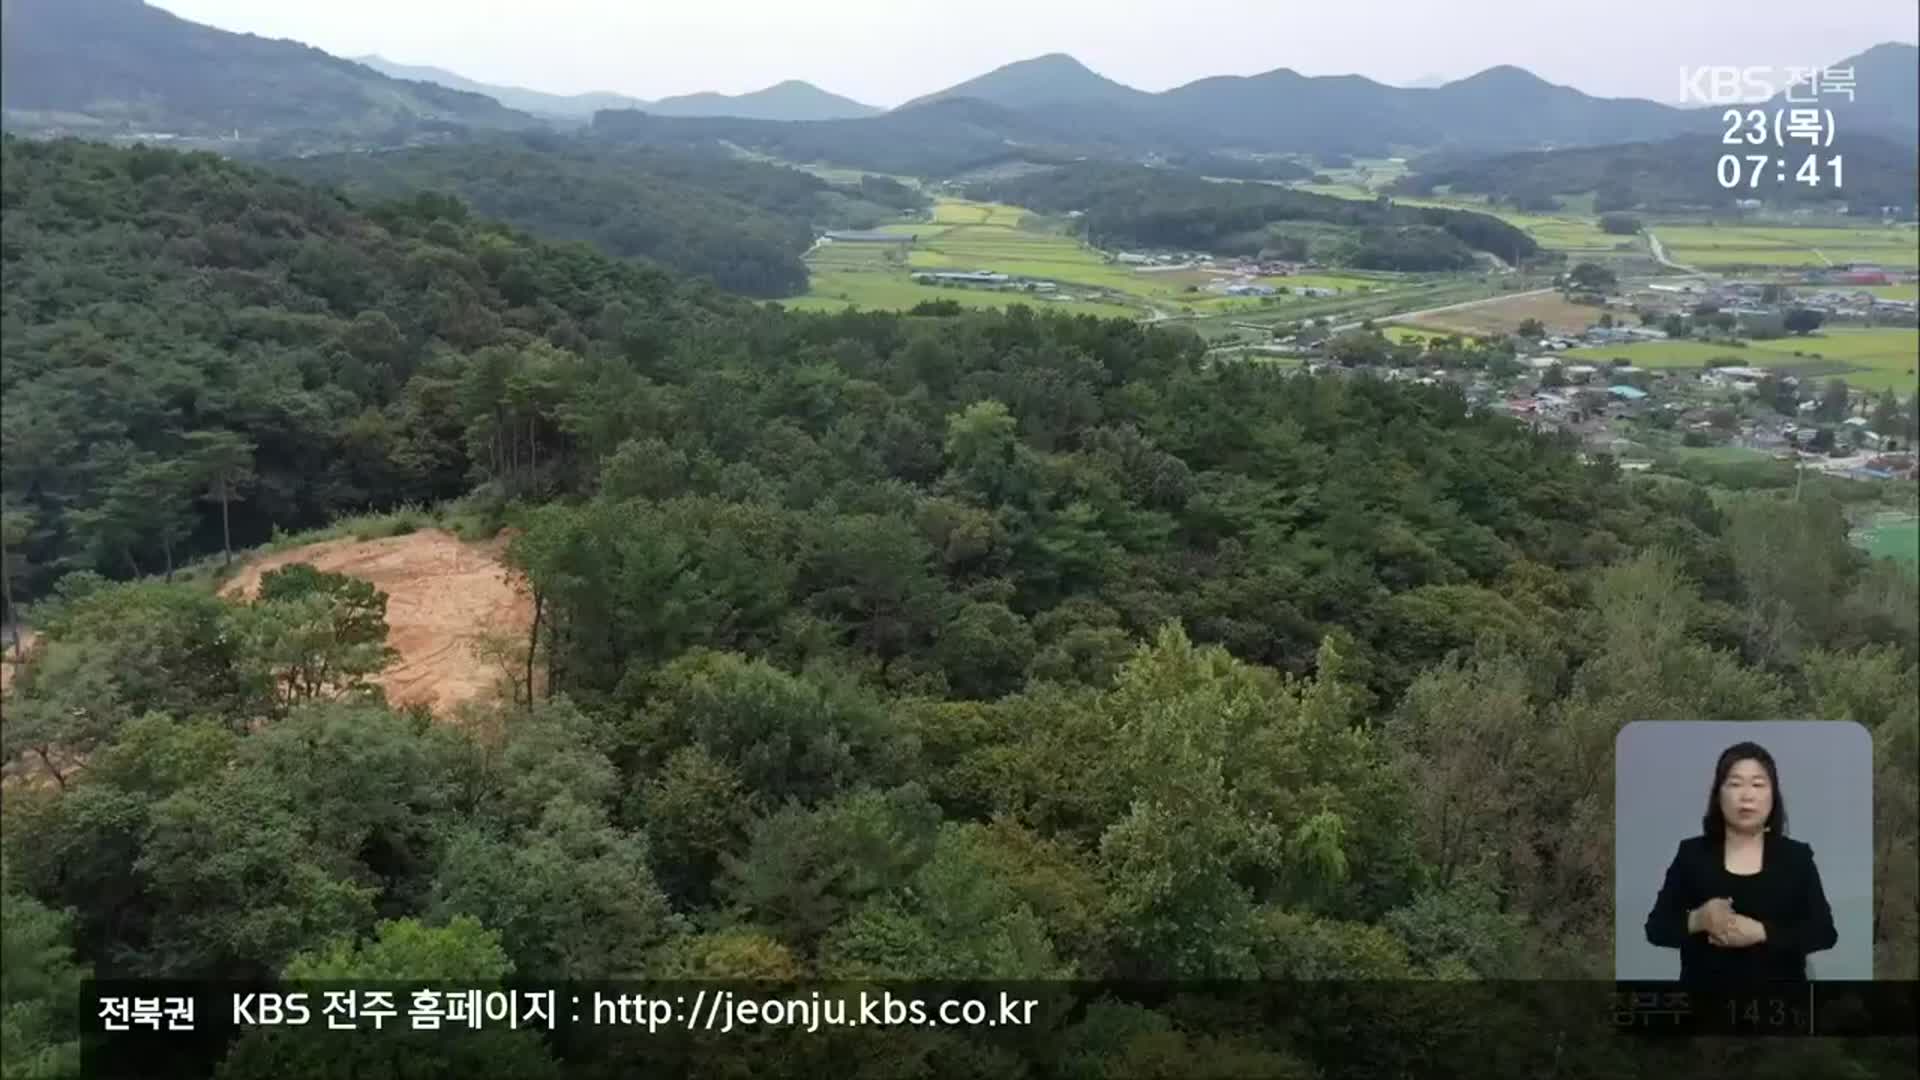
1055,59
790,100
1504,75
1040,81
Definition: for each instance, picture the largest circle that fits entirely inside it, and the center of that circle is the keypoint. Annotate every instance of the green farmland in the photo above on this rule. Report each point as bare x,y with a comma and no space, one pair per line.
960,236
1892,536
965,235
1868,359
1707,246
1401,334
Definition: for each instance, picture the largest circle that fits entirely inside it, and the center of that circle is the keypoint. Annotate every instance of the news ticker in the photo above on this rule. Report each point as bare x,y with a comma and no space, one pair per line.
158,1010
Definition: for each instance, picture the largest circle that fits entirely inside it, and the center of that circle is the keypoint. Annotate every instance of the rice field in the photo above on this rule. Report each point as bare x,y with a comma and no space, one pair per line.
966,235
1735,245
961,236
1876,359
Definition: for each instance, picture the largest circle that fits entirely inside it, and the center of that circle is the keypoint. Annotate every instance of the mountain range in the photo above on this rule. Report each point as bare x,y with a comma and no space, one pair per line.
122,66
1501,108
790,100
537,102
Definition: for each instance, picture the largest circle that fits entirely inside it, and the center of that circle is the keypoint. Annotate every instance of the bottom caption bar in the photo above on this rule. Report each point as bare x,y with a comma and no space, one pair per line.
528,1030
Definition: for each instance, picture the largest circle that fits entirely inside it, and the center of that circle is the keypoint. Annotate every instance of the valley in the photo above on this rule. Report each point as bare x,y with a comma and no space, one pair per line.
1044,264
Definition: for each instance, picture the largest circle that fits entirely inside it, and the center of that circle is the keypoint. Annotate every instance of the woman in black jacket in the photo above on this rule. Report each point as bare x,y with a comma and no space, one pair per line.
1741,901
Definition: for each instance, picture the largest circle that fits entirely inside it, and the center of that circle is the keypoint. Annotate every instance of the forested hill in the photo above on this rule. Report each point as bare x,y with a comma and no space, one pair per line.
988,645
124,66
937,139
742,224
1139,206
153,297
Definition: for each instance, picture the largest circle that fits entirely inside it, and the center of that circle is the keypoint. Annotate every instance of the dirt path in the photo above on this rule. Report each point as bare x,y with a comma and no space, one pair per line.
1659,251
442,596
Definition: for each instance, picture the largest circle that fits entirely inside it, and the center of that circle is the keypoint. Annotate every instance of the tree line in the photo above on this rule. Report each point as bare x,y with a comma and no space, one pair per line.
1136,206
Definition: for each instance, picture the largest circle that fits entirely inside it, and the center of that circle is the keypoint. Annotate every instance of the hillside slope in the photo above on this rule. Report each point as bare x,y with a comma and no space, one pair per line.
1885,98
671,209
123,66
574,107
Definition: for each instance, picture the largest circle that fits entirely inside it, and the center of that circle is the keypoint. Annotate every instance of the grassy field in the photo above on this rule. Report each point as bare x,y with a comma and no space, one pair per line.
1720,455
1870,359
1735,245
1909,291
1408,333
1892,536
965,235
1342,282
1568,233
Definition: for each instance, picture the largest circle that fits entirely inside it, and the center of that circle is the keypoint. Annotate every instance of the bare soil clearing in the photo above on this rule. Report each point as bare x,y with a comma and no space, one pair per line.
443,595
1505,316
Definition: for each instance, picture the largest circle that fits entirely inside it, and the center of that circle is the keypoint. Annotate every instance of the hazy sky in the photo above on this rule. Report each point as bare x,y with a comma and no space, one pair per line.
886,51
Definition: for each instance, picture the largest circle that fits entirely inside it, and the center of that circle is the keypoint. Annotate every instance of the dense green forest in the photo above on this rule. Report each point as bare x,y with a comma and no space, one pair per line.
983,645
1240,168
1136,206
937,139
743,224
1671,175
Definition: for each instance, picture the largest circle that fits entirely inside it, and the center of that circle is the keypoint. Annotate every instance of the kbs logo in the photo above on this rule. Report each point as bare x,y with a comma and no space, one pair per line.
270,1010
1727,84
